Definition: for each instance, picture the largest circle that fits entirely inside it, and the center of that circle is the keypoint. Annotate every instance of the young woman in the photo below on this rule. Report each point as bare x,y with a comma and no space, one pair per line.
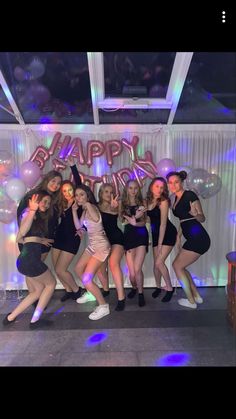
163,233
188,209
98,247
109,208
32,231
50,183
135,236
67,241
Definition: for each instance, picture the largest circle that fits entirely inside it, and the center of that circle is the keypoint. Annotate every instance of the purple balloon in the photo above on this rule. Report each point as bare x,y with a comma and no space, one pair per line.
8,210
19,73
29,173
165,166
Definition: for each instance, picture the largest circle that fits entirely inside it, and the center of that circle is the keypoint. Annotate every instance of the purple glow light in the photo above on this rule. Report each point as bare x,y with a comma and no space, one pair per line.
96,339
178,359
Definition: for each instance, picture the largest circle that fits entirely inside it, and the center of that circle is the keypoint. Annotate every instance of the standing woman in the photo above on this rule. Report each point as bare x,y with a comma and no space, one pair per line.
135,236
188,209
33,229
109,208
163,233
50,183
67,241
98,247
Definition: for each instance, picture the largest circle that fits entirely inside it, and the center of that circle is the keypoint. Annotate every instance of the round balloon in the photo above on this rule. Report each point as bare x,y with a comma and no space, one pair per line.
165,166
211,186
8,210
196,180
6,163
36,68
15,189
29,173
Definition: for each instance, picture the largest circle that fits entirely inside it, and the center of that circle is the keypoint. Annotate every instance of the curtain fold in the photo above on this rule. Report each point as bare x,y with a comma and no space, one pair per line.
214,151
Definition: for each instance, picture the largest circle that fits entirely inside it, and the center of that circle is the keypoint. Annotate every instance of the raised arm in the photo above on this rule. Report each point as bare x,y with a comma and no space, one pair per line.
75,172
27,218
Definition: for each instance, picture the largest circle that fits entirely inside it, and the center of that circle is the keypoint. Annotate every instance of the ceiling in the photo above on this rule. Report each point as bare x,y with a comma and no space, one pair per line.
117,88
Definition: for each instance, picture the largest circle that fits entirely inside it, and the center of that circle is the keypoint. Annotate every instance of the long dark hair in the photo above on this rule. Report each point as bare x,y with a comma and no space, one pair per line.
165,194
89,193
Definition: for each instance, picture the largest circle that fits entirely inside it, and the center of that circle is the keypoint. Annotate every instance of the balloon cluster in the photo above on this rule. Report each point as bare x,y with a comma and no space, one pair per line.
204,183
12,188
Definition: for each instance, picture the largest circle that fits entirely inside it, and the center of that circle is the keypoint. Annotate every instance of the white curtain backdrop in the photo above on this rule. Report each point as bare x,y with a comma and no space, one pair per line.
213,149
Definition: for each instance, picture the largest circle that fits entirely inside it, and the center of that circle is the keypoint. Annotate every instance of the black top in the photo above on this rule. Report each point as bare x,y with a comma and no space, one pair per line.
113,232
169,238
183,207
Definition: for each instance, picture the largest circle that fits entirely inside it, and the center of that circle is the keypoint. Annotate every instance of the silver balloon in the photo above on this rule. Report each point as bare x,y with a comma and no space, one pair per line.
8,210
36,68
196,180
211,186
6,163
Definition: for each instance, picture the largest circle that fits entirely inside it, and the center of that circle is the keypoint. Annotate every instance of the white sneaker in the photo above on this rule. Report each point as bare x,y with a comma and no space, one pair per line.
184,302
198,300
99,312
86,298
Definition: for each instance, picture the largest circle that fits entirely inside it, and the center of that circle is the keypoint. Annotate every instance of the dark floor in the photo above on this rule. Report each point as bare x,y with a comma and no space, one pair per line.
158,334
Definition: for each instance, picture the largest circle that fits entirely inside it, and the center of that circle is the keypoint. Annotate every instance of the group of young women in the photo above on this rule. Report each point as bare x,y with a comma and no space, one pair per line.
59,213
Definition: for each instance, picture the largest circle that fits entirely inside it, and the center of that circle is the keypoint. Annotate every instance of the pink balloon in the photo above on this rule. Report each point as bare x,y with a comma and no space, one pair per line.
94,149
121,174
8,210
58,165
30,173
90,180
131,146
40,155
15,189
165,166
113,148
75,149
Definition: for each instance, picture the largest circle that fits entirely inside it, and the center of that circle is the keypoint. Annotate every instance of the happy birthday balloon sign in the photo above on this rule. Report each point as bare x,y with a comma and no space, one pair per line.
63,147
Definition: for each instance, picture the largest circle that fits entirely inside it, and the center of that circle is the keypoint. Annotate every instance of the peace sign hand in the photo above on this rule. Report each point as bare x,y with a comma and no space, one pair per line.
114,201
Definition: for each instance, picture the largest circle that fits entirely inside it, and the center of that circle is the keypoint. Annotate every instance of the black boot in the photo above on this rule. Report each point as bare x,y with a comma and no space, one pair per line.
105,293
141,300
156,292
132,293
120,305
77,294
168,295
66,296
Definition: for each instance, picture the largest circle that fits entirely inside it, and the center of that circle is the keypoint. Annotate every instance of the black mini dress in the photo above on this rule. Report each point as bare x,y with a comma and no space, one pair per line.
170,233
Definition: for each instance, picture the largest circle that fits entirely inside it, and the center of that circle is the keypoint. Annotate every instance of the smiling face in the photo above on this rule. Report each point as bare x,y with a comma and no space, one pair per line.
157,188
132,189
67,191
107,193
45,203
54,184
81,197
175,184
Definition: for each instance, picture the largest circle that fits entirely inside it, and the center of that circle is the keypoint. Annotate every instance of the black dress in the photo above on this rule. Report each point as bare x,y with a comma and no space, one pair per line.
197,239
65,236
114,234
29,261
135,236
170,233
